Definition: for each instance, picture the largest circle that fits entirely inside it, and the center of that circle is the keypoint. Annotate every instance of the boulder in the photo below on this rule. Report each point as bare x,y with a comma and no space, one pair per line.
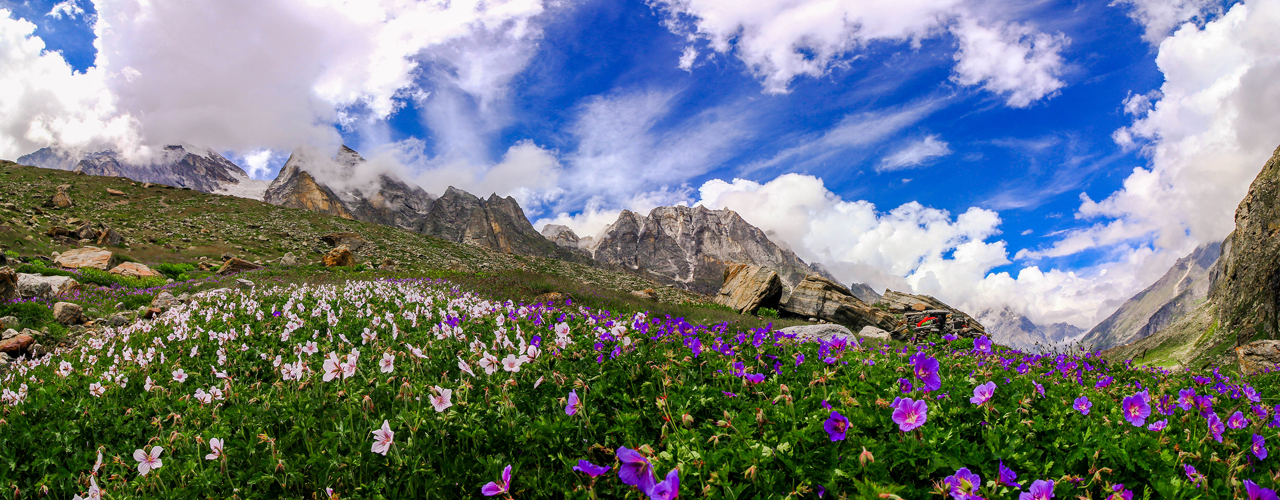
67,313
873,333
8,284
647,294
8,334
353,241
899,302
8,322
109,236
818,332
17,345
31,286
747,288
118,320
115,192
244,284
134,270
289,259
164,300
1258,355
58,285
821,298
340,256
91,257
61,199
57,231
236,265
86,232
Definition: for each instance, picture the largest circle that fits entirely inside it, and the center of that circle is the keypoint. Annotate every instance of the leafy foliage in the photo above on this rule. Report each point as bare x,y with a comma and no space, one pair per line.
176,272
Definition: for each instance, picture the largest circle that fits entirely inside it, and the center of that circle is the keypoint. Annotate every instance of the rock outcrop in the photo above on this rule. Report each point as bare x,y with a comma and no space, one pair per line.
821,298
561,236
176,165
236,265
67,313
91,257
340,256
1175,294
294,187
495,223
1245,284
1259,356
817,332
8,284
747,288
692,246
899,302
352,241
864,293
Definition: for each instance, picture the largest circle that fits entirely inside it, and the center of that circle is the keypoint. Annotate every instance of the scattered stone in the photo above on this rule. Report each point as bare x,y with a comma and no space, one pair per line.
874,333
647,294
340,256
61,199
289,259
236,265
553,297
118,320
8,322
134,270
1258,355
747,288
91,257
227,256
8,334
387,265
109,236
86,232
57,231
67,313
353,241
244,283
820,298
818,332
8,284
115,192
459,267
17,345
164,300
31,286
152,312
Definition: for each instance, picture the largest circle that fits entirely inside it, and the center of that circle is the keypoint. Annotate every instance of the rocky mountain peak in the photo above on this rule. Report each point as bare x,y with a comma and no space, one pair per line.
179,165
1246,279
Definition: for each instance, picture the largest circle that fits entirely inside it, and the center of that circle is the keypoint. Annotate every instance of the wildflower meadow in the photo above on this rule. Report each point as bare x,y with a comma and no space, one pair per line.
414,388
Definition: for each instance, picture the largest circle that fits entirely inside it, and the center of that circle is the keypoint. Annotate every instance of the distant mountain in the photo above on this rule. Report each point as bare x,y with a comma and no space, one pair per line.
1182,288
1007,327
295,187
176,165
864,292
692,246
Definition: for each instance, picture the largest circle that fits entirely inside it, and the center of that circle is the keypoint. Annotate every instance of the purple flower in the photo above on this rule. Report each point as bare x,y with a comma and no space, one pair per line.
729,394
1104,382
1136,410
1215,426
1193,475
1008,477
910,415
905,385
754,378
574,403
493,488
799,359
983,393
1256,492
926,369
982,344
1259,447
1039,490
1039,388
826,405
590,469
964,484
668,488
1252,394
1082,405
635,469
1237,421
836,426
1204,403
1158,426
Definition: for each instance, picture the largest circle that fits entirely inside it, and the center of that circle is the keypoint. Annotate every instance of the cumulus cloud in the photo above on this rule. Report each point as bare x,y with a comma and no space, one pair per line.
527,172
1009,59
206,74
71,9
1159,17
916,154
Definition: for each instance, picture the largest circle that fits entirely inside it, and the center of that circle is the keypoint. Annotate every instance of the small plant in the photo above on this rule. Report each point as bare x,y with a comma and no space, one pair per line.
11,254
176,272
766,312
29,314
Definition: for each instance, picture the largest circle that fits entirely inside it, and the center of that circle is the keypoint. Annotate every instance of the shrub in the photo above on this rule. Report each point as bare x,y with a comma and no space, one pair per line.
766,312
176,272
29,314
103,278
11,254
37,267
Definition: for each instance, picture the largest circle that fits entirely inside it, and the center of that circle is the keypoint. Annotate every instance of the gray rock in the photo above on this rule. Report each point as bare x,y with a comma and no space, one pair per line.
561,235
289,259
353,241
495,223
164,301
118,320
905,302
747,288
873,333
818,332
821,298
8,334
8,322
244,284
67,313
31,286
1257,356
8,284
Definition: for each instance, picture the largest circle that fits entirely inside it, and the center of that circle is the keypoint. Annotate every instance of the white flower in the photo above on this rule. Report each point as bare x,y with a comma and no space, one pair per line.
462,365
388,362
216,393
512,362
442,399
562,329
179,376
97,390
148,461
382,439
64,369
537,383
310,348
203,397
532,351
332,367
489,362
216,445
93,494
149,385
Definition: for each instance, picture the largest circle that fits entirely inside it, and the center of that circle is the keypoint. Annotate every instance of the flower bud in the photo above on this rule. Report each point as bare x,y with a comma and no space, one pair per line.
688,419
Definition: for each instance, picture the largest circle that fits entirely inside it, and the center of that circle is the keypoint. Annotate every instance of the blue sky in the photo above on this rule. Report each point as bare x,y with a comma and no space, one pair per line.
983,152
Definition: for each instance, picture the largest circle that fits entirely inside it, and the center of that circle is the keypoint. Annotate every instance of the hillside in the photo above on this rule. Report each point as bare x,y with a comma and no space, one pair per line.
1182,288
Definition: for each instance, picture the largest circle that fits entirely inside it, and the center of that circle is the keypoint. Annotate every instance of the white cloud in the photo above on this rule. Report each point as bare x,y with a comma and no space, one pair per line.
1159,17
1009,59
69,8
688,57
208,74
259,163
916,154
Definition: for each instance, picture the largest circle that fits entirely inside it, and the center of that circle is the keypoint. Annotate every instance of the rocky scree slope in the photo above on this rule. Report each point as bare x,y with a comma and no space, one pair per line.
1183,288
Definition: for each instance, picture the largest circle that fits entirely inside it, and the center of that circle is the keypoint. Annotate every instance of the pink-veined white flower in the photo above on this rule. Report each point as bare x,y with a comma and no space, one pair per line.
97,390
194,351
537,383
310,348
512,362
332,367
93,494
203,397
489,362
64,369
148,461
382,439
387,364
562,329
442,399
466,368
367,336
149,385
179,376
532,351
97,465
216,393
215,444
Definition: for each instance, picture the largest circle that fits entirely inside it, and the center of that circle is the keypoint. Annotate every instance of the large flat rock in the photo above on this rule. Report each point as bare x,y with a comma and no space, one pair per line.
88,257
747,288
819,297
